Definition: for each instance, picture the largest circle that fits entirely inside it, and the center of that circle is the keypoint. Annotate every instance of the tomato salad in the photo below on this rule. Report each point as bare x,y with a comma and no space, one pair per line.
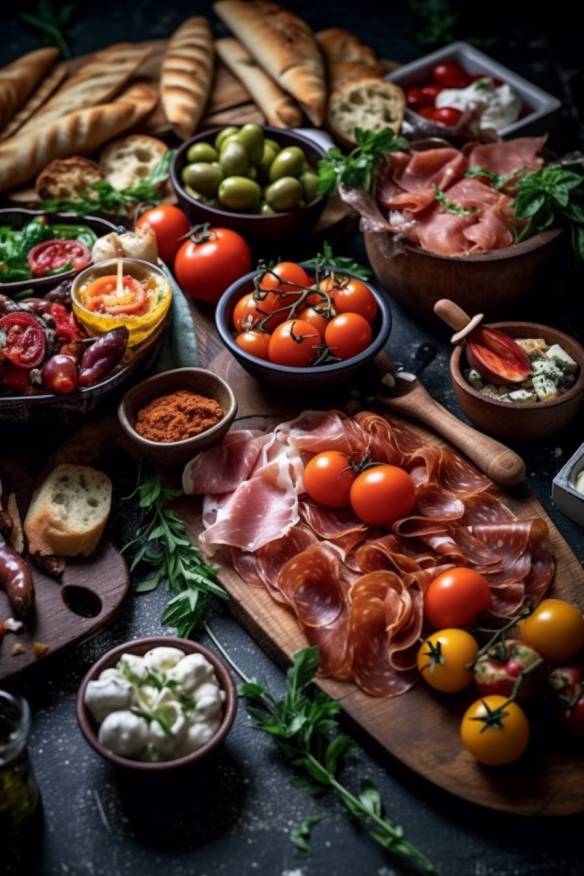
43,249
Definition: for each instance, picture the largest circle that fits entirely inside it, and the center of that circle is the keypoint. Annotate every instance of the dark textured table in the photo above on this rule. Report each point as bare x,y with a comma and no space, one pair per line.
235,815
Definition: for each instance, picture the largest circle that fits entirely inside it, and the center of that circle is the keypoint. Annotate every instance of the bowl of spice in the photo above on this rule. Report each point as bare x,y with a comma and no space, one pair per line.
171,416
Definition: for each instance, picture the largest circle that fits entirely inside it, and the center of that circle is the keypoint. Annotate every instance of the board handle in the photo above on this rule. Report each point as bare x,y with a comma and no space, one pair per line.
457,318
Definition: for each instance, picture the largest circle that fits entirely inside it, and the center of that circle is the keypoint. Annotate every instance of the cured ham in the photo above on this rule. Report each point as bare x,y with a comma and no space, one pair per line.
356,591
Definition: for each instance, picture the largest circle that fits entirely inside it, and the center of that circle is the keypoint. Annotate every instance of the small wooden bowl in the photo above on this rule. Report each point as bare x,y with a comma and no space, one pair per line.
483,283
140,647
173,454
525,421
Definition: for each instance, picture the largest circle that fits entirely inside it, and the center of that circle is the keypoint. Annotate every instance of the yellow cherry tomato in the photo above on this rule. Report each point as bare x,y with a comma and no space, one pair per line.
555,629
445,660
494,730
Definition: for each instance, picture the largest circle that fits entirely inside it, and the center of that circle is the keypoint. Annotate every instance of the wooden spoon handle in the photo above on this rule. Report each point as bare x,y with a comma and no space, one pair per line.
457,318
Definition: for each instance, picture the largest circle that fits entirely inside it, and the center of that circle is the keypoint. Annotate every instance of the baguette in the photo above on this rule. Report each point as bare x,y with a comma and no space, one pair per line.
18,80
278,107
96,82
22,157
283,44
68,512
369,103
187,70
47,87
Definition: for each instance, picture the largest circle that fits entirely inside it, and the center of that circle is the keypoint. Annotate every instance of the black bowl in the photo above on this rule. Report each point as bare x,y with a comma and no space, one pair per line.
16,217
253,225
284,376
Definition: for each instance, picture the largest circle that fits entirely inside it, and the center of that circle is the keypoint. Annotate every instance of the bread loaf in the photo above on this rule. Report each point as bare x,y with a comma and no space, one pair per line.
67,178
127,161
18,80
40,96
185,78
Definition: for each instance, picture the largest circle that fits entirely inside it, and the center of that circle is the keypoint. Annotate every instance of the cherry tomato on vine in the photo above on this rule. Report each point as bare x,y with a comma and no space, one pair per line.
445,660
497,670
315,318
415,98
446,115
355,297
495,731
249,311
568,688
455,598
169,224
382,494
295,343
555,629
254,343
328,478
286,277
210,261
430,93
347,335
449,74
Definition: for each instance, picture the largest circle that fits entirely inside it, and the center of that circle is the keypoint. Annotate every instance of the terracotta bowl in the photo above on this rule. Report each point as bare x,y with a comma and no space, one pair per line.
173,454
484,283
520,422
140,646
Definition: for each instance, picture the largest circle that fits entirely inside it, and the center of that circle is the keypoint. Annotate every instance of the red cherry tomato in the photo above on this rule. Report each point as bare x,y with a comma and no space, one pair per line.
315,318
455,598
382,494
210,261
286,277
355,297
52,256
24,340
255,343
446,115
449,74
169,224
430,93
249,311
294,343
328,478
348,335
426,112
415,98
497,671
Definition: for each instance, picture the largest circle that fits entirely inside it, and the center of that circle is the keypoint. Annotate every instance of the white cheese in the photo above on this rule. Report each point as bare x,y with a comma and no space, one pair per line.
132,667
474,378
563,360
522,395
162,659
545,388
197,735
502,105
124,733
108,695
547,369
191,671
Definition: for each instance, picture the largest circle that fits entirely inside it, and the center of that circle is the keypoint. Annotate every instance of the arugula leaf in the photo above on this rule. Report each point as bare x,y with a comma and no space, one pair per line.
162,544
326,260
300,835
356,168
552,196
452,206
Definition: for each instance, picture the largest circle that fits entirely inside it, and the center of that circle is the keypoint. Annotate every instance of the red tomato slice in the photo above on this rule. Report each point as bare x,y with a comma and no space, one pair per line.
102,297
496,356
25,341
449,74
446,115
51,255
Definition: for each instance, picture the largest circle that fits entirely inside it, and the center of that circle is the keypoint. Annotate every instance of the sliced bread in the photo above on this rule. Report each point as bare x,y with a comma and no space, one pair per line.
69,178
129,160
368,103
68,512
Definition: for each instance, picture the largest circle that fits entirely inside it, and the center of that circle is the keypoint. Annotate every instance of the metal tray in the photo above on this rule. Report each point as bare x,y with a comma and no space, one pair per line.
564,493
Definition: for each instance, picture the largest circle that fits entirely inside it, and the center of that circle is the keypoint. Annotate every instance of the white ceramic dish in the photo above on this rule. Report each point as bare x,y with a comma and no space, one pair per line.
564,493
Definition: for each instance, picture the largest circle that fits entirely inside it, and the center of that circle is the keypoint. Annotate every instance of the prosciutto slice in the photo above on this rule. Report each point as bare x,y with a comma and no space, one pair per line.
411,186
509,156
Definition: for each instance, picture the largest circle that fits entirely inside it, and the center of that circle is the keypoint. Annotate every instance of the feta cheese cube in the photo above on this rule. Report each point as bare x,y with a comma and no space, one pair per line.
522,395
545,388
547,369
561,359
534,347
474,378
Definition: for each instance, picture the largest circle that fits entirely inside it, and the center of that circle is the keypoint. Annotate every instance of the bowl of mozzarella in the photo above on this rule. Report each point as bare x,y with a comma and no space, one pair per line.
156,704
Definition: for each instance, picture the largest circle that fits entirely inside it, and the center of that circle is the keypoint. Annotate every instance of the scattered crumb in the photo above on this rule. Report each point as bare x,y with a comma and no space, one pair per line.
12,626
39,649
17,649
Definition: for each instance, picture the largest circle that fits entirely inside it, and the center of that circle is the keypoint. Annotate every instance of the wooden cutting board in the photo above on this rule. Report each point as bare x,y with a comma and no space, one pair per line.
421,727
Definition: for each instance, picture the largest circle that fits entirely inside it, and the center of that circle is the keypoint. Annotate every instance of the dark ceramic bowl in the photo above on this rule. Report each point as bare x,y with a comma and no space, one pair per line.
176,453
285,376
140,647
16,217
254,226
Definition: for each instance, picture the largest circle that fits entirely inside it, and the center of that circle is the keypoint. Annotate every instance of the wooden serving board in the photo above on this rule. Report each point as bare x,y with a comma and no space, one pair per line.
420,728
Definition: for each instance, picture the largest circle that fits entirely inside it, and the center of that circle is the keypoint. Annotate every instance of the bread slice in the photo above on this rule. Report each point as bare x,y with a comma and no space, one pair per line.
129,160
185,77
284,45
369,103
68,512
279,108
67,178
39,97
18,80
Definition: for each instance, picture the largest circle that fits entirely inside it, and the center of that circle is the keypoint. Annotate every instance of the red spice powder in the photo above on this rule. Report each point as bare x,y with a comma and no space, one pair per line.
178,415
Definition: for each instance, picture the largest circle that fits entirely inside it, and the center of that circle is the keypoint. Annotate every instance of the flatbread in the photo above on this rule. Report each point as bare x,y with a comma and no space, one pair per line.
186,74
19,79
36,100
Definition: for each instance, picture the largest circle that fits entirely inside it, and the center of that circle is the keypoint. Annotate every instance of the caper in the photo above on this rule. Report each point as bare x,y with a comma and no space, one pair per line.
288,162
203,177
309,181
267,158
252,137
223,133
234,159
284,194
202,152
239,193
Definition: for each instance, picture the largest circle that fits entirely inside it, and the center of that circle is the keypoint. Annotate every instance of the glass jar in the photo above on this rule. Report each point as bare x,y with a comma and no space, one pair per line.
19,796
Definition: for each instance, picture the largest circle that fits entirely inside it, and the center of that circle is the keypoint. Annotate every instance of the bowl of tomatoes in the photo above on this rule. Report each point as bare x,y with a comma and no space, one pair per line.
293,325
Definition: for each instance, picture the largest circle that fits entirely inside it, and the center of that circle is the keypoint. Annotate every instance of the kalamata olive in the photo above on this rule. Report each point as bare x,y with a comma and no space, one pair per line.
239,193
203,177
99,359
284,194
268,156
309,181
252,137
202,152
60,374
234,159
223,134
288,162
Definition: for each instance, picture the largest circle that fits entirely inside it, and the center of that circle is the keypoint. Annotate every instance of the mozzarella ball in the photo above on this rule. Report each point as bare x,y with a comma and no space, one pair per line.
191,671
107,695
112,672
197,735
171,712
132,665
124,733
209,703
162,659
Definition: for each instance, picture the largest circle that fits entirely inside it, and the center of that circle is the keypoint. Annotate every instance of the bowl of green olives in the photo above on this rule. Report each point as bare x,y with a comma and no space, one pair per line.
258,180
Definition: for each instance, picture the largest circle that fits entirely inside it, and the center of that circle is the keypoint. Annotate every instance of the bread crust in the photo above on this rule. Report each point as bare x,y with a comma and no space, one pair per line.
186,74
19,79
384,102
67,178
128,160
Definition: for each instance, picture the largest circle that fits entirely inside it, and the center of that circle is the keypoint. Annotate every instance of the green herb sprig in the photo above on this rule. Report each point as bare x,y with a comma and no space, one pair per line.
52,20
550,197
102,197
497,180
300,835
162,544
305,725
356,168
452,206
326,260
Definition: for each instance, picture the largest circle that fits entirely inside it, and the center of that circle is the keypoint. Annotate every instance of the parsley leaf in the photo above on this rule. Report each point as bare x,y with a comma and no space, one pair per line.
356,168
452,206
326,260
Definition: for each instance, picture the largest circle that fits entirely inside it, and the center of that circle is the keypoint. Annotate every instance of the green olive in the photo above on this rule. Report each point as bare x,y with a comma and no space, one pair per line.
223,133
203,177
266,210
284,194
232,138
196,195
252,137
267,158
202,152
234,159
309,182
239,193
288,162
306,166
272,143
252,172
